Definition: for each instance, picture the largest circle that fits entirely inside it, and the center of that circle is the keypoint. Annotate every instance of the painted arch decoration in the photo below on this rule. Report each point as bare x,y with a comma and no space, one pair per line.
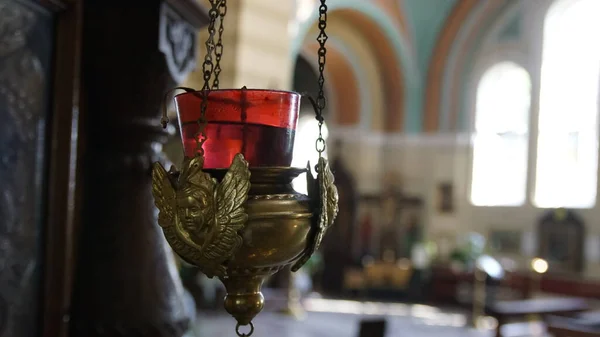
387,97
465,31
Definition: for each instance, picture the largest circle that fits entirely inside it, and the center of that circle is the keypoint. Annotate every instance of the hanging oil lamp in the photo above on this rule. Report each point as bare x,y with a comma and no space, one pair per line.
231,209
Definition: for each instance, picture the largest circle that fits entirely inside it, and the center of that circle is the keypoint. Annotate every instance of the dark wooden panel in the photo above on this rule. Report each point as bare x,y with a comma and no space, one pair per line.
63,188
26,38
445,283
446,286
561,236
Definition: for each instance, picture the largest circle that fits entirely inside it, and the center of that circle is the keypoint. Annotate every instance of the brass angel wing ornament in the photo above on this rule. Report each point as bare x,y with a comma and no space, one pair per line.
323,193
200,217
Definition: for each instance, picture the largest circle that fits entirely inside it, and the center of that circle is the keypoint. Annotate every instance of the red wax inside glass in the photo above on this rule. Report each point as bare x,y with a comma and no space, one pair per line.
260,124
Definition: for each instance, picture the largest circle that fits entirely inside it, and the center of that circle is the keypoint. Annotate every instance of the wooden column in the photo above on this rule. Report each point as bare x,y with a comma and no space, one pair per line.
125,281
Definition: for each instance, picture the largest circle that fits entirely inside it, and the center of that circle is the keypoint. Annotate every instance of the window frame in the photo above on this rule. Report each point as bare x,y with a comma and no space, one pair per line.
499,53
526,52
541,14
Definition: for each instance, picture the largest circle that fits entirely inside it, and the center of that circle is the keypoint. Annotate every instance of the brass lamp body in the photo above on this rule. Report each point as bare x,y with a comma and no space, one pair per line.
243,224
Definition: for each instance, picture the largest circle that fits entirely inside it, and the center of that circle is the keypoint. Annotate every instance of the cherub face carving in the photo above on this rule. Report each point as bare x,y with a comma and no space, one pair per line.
194,209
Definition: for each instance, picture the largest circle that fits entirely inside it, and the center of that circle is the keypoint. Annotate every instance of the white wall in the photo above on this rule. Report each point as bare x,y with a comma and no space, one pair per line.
424,161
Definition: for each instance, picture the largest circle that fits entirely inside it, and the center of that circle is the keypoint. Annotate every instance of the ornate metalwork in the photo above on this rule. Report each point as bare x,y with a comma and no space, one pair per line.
241,231
241,224
324,195
244,224
200,217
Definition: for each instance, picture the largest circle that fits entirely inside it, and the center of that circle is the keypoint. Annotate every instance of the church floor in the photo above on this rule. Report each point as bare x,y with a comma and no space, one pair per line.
342,319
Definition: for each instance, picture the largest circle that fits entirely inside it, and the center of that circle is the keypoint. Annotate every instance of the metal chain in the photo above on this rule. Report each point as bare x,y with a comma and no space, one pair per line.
219,46
321,102
207,72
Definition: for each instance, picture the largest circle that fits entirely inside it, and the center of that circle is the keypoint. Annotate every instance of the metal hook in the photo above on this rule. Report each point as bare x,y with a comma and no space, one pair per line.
164,120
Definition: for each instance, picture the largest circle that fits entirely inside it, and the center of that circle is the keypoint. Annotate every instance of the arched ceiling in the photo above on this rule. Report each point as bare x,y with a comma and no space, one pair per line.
428,43
362,27
425,19
463,32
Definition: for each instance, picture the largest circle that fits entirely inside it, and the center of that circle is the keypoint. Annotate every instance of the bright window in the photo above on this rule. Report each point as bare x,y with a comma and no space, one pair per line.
499,176
567,143
307,133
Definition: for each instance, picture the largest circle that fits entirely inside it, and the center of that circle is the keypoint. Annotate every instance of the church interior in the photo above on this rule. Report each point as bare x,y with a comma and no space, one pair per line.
347,168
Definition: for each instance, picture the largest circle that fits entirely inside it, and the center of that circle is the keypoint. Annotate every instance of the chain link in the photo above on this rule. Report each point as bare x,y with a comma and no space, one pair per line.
207,72
321,102
219,45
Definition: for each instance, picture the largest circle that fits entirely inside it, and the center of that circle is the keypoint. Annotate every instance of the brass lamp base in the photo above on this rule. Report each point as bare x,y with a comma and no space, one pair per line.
243,224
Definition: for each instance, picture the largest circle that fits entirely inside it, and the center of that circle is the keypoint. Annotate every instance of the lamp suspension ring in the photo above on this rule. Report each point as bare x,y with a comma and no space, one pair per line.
247,334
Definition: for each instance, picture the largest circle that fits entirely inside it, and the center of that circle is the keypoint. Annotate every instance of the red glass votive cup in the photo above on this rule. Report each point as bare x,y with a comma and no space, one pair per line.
260,124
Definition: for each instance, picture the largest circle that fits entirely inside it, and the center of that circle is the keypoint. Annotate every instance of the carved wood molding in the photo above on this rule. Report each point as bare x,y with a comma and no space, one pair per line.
177,40
180,21
191,11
